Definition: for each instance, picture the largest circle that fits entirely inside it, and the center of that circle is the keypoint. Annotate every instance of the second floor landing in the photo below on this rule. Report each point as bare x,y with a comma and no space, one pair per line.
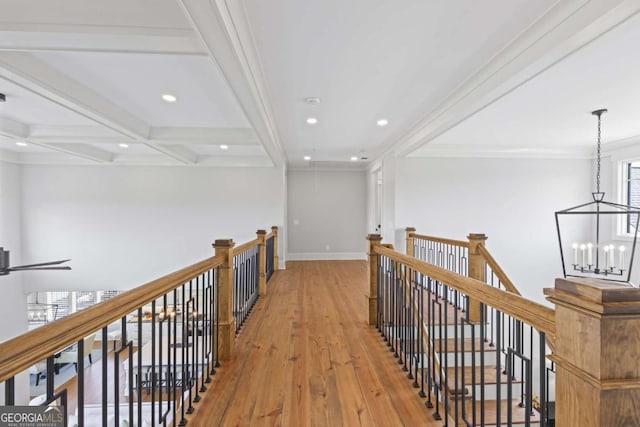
307,357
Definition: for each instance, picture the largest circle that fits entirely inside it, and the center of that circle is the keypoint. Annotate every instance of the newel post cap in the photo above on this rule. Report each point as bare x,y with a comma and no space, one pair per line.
374,237
595,295
224,243
477,236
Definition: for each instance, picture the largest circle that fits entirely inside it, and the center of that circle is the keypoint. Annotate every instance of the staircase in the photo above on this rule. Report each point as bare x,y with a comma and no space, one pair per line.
475,364
474,381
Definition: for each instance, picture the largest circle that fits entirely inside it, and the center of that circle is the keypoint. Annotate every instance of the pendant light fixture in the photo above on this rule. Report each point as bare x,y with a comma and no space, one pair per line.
586,233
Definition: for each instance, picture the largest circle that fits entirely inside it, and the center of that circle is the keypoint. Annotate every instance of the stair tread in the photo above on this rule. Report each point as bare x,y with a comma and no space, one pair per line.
451,342
490,407
490,377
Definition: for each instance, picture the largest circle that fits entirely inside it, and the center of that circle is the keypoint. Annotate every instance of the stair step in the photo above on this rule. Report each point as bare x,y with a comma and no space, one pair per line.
490,411
490,378
450,345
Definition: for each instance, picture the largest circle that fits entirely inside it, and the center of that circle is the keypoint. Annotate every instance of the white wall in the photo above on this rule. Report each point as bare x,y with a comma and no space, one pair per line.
326,213
13,301
512,201
124,226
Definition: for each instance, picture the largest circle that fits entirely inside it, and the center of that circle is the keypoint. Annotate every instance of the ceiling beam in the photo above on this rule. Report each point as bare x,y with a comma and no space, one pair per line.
85,151
176,152
239,136
565,28
21,132
231,47
94,38
42,80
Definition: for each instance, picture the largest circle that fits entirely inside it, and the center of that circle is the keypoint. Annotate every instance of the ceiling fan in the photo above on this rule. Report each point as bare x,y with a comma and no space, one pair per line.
5,269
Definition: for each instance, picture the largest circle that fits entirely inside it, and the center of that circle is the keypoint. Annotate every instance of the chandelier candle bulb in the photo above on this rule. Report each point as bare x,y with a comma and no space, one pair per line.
606,257
575,254
583,248
612,259
589,254
621,257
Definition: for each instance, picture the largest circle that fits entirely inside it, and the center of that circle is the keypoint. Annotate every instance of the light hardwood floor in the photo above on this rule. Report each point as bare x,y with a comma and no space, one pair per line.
307,357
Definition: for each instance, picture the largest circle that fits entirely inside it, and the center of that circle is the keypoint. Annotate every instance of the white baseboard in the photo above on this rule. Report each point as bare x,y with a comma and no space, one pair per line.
315,256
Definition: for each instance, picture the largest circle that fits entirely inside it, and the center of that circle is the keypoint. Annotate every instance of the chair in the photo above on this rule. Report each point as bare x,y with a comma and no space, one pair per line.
70,355
39,370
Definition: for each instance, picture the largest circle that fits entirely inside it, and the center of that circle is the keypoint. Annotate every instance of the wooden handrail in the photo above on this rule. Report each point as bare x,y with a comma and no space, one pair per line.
245,246
19,353
452,242
499,272
540,317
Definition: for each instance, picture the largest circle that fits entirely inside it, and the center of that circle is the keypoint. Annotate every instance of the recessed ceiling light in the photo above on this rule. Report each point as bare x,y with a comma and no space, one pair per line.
169,98
21,144
307,158
312,120
382,122
124,145
312,100
354,158
224,147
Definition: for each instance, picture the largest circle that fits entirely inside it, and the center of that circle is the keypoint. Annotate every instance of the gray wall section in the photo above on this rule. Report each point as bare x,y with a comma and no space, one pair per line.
326,214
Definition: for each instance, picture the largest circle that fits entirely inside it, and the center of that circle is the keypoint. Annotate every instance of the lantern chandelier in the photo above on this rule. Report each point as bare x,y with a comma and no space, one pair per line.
591,227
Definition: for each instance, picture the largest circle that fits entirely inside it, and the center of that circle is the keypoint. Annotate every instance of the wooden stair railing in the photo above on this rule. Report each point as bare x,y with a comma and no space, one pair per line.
416,296
178,327
483,267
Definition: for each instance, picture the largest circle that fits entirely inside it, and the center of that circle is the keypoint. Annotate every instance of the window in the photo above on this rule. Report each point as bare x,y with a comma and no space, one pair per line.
630,192
46,307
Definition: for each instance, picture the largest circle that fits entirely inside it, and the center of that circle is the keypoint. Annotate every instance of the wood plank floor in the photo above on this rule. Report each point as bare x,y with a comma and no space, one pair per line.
307,357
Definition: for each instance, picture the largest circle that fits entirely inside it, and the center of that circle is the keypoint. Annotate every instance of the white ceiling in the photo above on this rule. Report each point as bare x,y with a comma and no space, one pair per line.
498,77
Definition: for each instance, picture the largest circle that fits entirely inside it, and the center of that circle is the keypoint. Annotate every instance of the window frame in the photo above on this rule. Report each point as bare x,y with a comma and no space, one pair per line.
623,189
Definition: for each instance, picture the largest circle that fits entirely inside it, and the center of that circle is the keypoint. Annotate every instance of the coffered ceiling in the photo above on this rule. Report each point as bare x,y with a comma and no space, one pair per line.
84,79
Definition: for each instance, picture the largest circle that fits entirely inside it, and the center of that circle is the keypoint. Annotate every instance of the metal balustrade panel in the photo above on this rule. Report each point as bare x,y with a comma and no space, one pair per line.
475,373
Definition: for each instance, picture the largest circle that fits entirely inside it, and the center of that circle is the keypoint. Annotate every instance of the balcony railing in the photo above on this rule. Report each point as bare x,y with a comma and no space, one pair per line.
168,337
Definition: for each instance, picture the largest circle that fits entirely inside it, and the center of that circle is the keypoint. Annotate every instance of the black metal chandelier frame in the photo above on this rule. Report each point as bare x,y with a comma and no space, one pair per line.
599,207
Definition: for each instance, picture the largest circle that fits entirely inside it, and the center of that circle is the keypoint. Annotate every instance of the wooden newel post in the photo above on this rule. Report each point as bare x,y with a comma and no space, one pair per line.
274,230
374,240
477,270
262,262
226,322
410,232
596,354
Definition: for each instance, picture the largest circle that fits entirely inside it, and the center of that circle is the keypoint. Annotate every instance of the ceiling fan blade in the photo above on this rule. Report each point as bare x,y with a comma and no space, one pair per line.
41,264
25,268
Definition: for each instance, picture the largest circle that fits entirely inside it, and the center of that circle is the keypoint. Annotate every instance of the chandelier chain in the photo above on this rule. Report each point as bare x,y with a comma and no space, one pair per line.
598,156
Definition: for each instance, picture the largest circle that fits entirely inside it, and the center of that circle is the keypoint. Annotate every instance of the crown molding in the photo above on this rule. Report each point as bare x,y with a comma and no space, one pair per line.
503,151
566,27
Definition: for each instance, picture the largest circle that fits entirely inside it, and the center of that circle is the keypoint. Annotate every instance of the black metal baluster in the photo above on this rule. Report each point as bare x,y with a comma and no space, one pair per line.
498,367
153,362
217,322
185,338
509,368
440,379
10,390
483,340
430,341
80,383
139,368
543,377
459,388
